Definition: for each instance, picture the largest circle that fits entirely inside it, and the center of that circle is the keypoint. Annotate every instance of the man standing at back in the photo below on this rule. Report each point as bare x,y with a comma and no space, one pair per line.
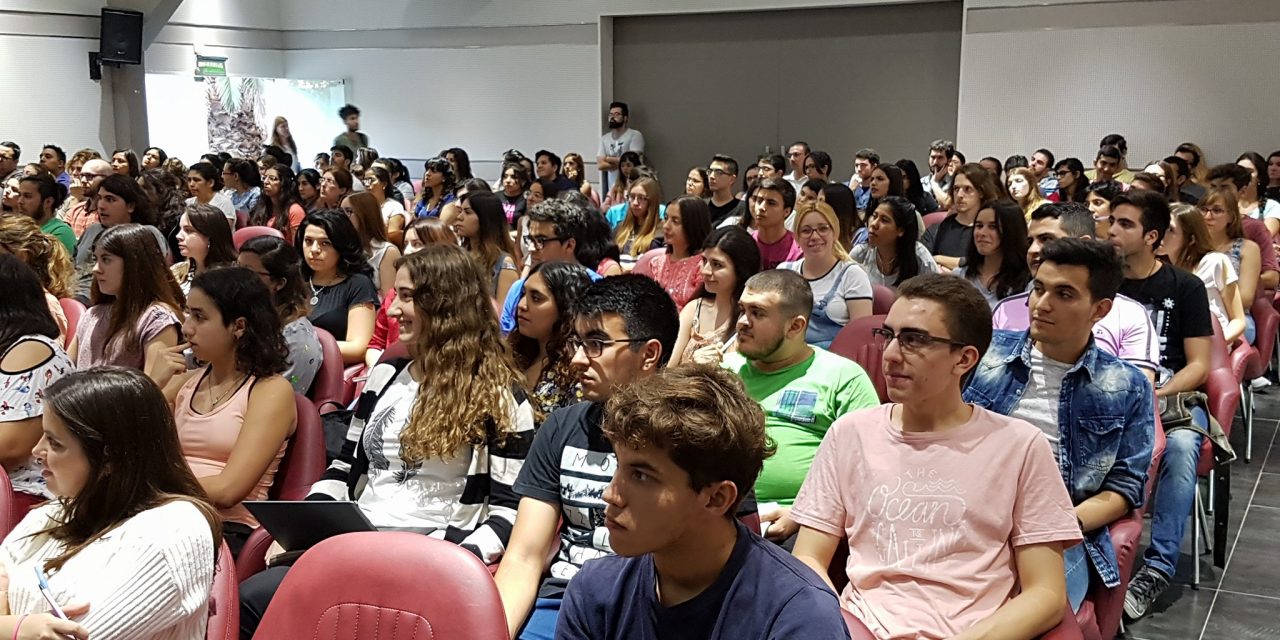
796,155
352,138
617,141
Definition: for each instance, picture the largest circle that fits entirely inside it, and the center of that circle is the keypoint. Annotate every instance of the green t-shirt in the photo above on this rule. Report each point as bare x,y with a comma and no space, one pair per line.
800,403
62,231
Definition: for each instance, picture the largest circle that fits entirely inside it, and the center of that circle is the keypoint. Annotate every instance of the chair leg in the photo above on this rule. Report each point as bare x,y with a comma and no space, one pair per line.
1209,503
1246,405
1221,476
1196,524
1202,524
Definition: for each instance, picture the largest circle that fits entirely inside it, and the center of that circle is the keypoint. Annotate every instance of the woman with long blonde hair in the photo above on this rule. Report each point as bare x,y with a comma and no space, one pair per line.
638,231
22,237
428,429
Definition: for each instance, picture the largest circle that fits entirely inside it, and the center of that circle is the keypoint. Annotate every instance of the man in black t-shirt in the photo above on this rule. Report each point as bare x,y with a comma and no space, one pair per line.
624,330
722,174
1179,309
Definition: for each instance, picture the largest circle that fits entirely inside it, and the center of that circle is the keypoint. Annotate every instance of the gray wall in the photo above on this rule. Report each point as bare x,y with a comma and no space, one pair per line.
840,79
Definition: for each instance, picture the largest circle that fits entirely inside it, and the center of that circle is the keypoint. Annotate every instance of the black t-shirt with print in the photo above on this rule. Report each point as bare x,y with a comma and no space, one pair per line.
1178,306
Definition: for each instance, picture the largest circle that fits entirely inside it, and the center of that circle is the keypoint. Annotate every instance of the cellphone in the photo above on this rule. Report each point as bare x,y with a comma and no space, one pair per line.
48,594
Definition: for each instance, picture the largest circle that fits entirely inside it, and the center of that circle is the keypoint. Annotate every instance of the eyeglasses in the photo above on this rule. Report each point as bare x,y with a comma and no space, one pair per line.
637,197
595,346
1062,174
539,242
716,172
909,340
328,180
1217,211
823,230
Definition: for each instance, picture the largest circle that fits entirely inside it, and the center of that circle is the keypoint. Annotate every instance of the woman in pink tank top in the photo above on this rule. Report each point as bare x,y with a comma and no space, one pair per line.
235,413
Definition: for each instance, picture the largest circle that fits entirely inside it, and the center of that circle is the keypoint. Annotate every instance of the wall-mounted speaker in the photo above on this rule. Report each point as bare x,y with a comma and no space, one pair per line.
121,38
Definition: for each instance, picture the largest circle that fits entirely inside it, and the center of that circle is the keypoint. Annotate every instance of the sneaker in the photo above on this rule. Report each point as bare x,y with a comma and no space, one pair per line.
1260,382
1143,590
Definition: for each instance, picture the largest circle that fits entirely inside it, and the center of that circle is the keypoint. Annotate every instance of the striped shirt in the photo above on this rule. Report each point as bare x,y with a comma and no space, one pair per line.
467,498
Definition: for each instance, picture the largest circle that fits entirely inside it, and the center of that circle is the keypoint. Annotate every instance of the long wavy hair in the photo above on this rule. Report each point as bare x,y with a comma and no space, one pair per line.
276,212
640,232
1196,243
135,464
239,293
566,281
441,166
210,222
165,191
21,236
466,368
147,281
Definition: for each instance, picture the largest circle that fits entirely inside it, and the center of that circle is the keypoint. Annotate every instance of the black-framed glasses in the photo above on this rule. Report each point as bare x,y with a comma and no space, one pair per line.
595,346
1063,173
539,242
910,340
716,172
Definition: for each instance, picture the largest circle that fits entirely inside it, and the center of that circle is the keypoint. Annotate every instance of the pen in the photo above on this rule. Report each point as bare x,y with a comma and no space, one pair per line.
48,595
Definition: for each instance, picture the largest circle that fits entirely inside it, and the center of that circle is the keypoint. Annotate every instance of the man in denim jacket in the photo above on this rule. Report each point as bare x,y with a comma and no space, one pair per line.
1096,410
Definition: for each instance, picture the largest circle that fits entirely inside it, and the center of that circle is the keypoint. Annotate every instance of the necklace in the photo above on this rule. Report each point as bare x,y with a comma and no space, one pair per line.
315,293
217,400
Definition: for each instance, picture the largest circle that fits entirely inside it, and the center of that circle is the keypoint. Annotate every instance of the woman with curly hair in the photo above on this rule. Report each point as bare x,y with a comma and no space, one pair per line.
544,322
436,198
21,237
431,431
236,412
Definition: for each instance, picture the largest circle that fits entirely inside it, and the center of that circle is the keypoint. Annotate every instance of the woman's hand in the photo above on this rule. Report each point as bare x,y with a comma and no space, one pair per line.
45,626
708,354
168,363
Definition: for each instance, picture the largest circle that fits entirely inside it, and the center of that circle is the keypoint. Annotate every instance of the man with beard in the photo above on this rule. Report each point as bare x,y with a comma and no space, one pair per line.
802,389
616,142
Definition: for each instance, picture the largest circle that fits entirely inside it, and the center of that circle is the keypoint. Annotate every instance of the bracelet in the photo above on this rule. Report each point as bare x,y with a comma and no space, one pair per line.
18,627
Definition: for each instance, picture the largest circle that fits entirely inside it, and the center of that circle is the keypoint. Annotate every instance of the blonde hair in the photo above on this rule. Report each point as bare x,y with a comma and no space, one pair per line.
1033,199
44,253
640,233
829,215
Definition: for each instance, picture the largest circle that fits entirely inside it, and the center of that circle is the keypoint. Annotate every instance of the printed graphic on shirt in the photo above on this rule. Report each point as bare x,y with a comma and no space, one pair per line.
797,406
917,518
584,474
1159,314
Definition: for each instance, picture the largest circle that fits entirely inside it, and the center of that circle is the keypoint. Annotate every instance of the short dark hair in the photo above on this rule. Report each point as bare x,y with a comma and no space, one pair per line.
1047,154
1015,161
1106,269
955,153
57,151
17,150
646,309
946,146
781,186
1184,169
1074,217
822,161
555,159
566,218
774,160
1110,151
720,157
348,110
795,297
965,312
869,155
702,417
1115,140
1154,207
1238,175
344,150
626,111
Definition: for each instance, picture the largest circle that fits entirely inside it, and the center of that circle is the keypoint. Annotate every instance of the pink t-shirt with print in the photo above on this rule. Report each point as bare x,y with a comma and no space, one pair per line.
932,519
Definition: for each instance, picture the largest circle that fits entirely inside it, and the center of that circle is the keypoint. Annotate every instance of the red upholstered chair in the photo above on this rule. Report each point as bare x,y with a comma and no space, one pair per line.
1267,322
882,298
327,389
352,377
242,221
1223,389
407,586
246,234
856,343
224,599
73,310
931,219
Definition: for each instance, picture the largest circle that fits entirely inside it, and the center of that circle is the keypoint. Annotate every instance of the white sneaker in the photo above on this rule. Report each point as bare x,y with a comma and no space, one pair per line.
1261,382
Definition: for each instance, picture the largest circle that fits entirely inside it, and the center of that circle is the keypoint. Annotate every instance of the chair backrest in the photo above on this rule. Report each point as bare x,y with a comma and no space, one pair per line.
246,234
856,343
224,599
931,219
1220,355
328,385
242,221
1267,321
882,298
407,586
73,310
304,459
8,519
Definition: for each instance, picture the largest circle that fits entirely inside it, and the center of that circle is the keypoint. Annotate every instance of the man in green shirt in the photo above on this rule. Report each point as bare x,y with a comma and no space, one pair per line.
39,197
802,389
352,138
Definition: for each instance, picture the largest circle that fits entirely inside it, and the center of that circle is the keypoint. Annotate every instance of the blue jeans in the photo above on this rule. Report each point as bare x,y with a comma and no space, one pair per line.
1250,328
1076,560
541,624
1175,495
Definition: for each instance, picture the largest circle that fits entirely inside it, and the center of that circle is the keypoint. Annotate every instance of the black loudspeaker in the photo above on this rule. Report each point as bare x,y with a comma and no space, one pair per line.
121,39
95,67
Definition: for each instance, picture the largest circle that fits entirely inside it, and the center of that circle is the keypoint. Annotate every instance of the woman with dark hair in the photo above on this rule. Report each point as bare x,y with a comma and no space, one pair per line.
677,265
695,184
335,185
544,323
1193,155
307,190
343,297
913,189
128,518
885,181
575,169
135,306
205,241
1223,221
481,228
402,191
629,164
840,198
1072,185
892,254
596,249
235,413
996,169
277,265
204,181
31,358
730,256
1097,196
438,438
362,209
162,188
243,184
996,262
118,200
436,199
282,211
1272,191
153,158
841,289
1253,201
377,181
125,163
21,237
515,180
460,162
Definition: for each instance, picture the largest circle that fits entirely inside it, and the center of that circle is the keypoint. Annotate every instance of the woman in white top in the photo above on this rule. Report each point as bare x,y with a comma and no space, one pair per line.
204,239
377,181
1187,245
1253,201
363,211
204,183
841,289
892,255
130,540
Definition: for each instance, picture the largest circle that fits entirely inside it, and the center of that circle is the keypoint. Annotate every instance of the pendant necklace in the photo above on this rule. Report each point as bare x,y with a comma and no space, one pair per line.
315,293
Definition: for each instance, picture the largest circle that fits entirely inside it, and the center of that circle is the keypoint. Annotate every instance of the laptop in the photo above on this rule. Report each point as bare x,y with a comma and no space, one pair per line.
298,525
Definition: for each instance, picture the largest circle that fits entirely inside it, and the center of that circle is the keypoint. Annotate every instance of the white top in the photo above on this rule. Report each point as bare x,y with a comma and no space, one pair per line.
1267,209
391,208
222,202
22,398
1042,395
865,255
615,145
147,579
853,285
1216,272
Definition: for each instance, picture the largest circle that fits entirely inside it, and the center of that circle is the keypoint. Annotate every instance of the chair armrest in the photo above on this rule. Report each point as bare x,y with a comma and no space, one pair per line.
253,556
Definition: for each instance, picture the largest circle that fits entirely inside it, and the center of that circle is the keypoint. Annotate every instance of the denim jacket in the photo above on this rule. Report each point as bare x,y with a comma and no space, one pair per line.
1106,419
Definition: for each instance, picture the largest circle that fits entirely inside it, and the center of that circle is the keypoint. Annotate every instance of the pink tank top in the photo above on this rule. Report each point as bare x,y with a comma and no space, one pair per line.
207,440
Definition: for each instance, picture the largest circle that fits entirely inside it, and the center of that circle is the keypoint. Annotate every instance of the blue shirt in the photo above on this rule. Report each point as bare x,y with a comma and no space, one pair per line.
508,318
862,197
1106,421
762,592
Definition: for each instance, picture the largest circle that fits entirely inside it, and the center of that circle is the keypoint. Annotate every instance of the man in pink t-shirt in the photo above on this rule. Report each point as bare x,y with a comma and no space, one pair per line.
956,518
770,206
